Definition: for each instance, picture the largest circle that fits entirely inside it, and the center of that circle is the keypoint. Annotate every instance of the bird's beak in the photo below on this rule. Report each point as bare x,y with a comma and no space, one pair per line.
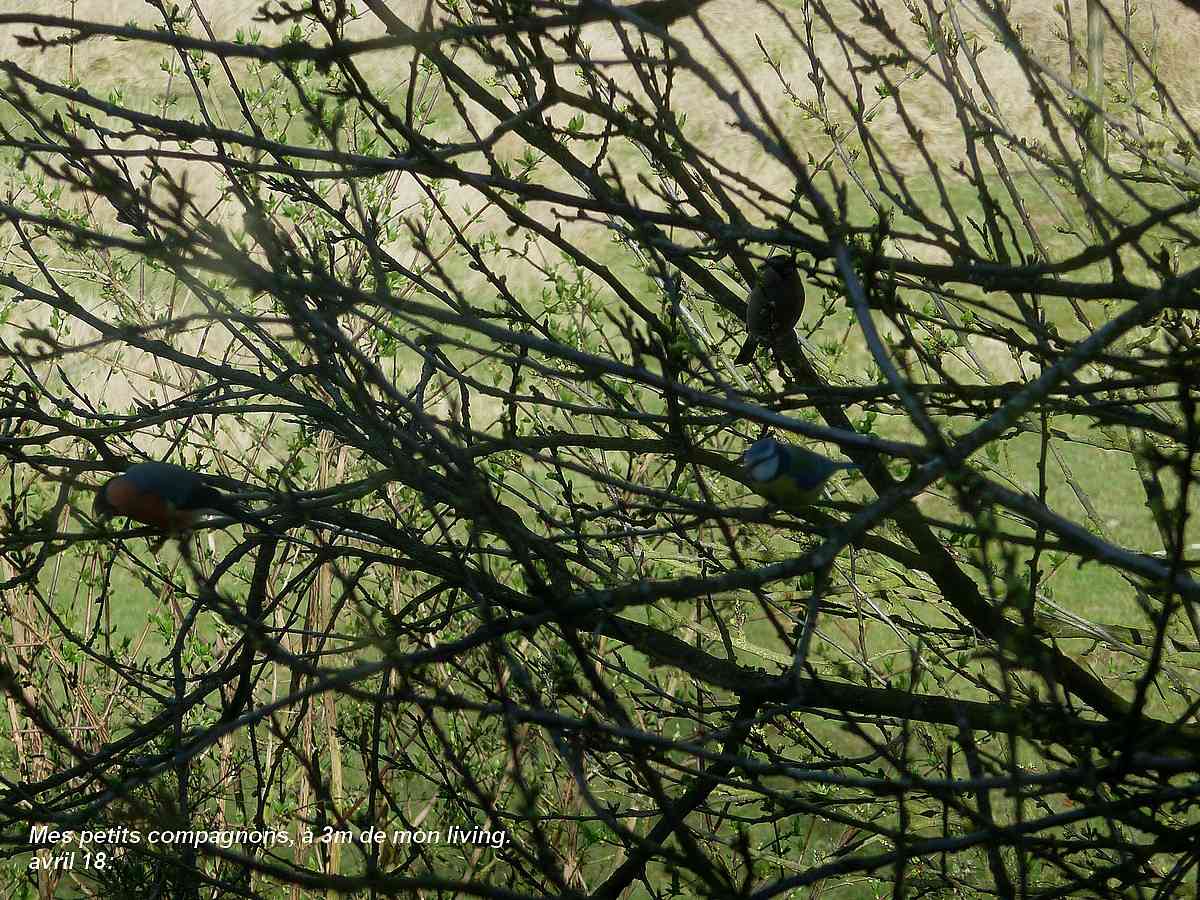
101,508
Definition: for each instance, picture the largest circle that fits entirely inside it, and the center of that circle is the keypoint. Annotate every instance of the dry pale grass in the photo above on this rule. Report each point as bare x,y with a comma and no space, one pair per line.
103,64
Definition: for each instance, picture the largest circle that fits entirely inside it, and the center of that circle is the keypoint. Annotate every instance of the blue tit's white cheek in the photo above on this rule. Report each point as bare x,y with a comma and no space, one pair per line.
752,458
764,470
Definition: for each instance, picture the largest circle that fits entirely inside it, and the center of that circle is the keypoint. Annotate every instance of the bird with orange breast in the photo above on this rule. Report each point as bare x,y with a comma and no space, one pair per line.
167,497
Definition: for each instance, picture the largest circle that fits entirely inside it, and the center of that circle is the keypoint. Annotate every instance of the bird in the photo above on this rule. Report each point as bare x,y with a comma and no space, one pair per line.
166,496
773,308
789,476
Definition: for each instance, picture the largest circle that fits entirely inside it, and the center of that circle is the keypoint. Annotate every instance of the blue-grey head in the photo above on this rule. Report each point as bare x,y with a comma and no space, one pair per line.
764,460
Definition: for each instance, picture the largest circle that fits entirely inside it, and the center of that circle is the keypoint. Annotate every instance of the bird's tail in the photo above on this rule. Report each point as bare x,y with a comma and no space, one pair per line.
235,509
747,352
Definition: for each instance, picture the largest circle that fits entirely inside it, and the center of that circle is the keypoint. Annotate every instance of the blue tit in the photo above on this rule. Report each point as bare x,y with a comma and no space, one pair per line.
789,476
773,307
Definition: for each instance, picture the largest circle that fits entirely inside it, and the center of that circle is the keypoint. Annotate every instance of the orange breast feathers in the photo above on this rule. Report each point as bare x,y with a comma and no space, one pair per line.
147,507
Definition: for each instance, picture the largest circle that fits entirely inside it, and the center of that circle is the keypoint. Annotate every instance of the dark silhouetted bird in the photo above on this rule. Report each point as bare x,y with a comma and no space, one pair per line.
166,496
789,476
773,307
